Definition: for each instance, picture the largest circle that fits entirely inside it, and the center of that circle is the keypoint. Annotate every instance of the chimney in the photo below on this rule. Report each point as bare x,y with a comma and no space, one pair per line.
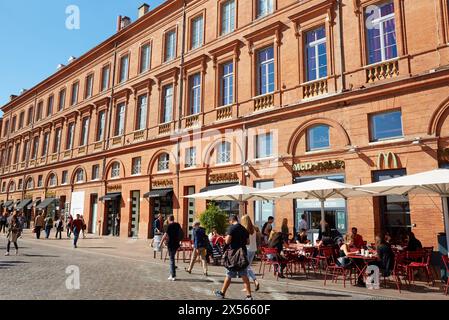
143,10
22,91
12,97
119,23
71,59
60,66
126,21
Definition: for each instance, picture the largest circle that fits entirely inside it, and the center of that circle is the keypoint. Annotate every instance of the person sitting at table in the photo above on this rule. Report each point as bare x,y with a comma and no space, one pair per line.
344,261
356,239
301,237
325,238
275,241
385,255
413,244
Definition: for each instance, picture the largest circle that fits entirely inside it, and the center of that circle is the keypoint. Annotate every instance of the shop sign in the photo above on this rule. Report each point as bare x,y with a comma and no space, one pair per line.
162,184
319,166
387,160
114,188
223,178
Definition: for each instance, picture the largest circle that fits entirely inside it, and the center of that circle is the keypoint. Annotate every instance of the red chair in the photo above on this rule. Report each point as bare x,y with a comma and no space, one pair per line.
399,270
321,260
335,271
295,262
266,261
446,265
186,247
420,260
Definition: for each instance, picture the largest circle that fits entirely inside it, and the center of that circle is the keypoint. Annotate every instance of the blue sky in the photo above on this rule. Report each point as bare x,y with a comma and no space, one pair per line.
34,38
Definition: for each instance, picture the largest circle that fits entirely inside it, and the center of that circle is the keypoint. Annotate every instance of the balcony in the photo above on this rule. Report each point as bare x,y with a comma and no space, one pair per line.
382,71
224,113
192,121
165,128
314,89
263,102
139,135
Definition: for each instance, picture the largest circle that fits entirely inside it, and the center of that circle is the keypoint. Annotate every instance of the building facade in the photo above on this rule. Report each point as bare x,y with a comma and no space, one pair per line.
204,93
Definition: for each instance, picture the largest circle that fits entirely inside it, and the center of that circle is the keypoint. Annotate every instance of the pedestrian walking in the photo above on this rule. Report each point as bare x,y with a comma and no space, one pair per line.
48,226
38,224
84,227
69,226
77,226
251,248
116,231
200,244
13,234
235,258
59,225
173,236
22,221
3,222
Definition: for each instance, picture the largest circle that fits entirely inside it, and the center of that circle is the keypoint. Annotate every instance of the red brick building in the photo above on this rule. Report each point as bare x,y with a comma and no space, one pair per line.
204,93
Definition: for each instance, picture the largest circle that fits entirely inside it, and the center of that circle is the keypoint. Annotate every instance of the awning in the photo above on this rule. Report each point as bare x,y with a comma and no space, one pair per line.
218,186
22,204
111,196
158,193
44,204
35,203
8,204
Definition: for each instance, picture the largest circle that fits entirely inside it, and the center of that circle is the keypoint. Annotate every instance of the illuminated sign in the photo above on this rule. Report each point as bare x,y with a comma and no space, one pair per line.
319,166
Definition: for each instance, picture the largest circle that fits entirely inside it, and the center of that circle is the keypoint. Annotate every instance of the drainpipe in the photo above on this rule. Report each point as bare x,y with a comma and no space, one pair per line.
341,45
245,161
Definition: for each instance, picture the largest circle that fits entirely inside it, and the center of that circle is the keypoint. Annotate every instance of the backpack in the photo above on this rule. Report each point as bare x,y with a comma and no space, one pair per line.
235,259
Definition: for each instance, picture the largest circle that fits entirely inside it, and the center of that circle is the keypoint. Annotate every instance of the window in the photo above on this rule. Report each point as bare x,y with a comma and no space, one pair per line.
10,155
5,132
30,116
40,181
79,176
16,153
195,93
124,68
96,172
4,186
12,187
381,33
14,123
227,83
89,86
29,184
61,102
197,32
386,125
100,125
45,144
163,162
265,64
25,150
50,102
141,114
65,177
264,145
57,140
170,45
35,148
190,157
84,131
227,17
21,119
115,172
70,132
224,152
74,99
167,107
318,138
120,120
264,7
136,166
105,78
316,55
20,185
145,58
52,181
39,111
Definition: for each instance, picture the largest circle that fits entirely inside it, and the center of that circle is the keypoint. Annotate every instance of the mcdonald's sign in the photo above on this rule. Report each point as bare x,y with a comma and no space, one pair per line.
387,160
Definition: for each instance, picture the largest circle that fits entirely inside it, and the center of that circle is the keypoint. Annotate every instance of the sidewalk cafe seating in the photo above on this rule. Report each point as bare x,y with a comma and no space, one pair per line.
334,270
446,265
269,262
420,260
322,259
186,247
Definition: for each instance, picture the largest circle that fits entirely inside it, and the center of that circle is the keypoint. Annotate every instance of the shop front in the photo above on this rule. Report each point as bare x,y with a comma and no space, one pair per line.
112,205
220,181
22,207
161,200
48,206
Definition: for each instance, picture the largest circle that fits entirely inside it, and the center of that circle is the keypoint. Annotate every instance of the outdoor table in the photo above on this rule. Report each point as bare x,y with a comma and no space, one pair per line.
366,260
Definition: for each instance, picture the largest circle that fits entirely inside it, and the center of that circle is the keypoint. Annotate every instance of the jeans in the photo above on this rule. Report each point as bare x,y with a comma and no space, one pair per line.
172,253
9,246
251,274
60,234
38,232
76,235
69,232
47,231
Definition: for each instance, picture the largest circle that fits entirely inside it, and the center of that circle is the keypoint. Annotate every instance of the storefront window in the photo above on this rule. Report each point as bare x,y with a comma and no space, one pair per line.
263,209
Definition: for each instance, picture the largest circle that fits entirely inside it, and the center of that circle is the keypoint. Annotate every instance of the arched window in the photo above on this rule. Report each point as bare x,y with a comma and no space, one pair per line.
52,182
223,152
79,176
30,184
318,137
115,172
164,162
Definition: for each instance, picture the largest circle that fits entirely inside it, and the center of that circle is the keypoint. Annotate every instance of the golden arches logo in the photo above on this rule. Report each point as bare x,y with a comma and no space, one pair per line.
387,160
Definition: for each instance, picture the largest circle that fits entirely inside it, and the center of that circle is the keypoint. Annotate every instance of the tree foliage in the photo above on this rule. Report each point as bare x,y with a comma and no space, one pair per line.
214,217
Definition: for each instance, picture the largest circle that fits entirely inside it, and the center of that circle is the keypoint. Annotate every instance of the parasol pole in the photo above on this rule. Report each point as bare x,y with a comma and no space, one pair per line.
323,225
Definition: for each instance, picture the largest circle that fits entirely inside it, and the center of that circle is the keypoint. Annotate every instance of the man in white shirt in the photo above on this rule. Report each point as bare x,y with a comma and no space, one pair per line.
303,223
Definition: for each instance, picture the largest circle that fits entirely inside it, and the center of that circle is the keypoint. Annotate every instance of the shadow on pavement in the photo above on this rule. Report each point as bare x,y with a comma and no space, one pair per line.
318,294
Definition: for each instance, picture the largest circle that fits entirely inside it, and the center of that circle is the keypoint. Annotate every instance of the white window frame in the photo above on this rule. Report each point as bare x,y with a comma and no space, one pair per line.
258,146
170,45
197,32
195,94
224,153
136,166
84,131
227,79
167,103
314,45
264,8
141,121
265,65
227,17
120,119
380,24
145,57
190,157
163,164
115,170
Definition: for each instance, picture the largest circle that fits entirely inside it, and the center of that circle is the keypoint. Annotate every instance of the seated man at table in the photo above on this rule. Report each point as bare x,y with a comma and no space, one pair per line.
385,255
357,239
301,237
326,237
276,241
413,244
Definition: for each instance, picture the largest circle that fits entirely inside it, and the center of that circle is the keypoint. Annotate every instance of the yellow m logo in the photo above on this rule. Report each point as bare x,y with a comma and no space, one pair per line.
387,161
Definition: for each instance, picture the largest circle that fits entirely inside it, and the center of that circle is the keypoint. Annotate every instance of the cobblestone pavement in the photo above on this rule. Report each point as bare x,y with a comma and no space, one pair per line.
126,269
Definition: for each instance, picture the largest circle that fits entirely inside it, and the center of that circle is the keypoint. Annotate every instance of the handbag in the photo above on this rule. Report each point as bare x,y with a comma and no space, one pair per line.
235,259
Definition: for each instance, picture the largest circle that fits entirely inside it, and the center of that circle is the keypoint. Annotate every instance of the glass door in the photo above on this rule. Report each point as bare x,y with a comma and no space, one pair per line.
135,213
94,210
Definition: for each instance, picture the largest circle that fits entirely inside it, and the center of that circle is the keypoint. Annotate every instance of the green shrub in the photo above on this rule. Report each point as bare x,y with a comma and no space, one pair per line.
214,217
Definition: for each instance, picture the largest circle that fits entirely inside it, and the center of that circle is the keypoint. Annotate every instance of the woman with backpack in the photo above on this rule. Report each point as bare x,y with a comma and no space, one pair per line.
13,234
200,244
